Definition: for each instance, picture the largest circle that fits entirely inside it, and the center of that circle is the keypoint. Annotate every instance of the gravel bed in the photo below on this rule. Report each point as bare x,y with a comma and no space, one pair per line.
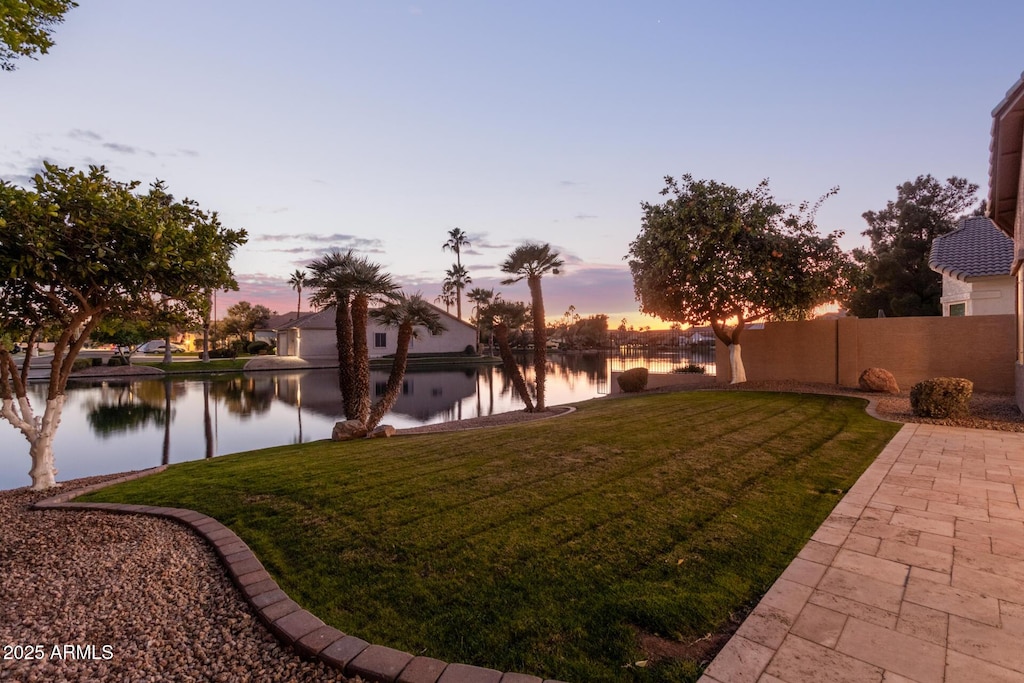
144,599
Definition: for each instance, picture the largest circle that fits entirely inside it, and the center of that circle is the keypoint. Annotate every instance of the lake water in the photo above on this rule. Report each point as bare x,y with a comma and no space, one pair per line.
120,425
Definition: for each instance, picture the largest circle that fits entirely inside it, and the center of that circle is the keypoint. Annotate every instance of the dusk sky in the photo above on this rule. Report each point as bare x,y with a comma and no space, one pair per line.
379,126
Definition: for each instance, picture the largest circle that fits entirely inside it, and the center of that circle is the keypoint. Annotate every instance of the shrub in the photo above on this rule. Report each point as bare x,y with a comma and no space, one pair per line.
942,397
223,353
633,380
115,361
258,348
97,362
470,350
81,364
691,368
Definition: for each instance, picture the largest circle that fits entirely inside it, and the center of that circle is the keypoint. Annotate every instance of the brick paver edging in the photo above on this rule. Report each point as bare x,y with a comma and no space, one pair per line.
292,625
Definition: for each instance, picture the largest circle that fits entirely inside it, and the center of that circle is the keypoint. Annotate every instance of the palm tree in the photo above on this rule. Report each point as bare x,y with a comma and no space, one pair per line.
456,278
503,316
456,240
351,283
446,297
331,288
481,297
407,313
533,261
298,280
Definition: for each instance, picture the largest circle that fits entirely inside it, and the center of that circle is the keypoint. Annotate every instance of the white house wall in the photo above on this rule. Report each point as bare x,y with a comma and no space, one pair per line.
981,296
321,344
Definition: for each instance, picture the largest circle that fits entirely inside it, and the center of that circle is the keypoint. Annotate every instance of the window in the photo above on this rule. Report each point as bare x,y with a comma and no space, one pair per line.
957,310
380,340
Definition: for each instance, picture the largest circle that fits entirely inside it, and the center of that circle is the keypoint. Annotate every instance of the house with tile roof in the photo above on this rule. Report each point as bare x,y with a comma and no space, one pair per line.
1006,201
312,337
975,260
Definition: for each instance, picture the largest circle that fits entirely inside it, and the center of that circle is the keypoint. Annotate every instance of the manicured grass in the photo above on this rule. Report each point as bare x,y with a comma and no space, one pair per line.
546,547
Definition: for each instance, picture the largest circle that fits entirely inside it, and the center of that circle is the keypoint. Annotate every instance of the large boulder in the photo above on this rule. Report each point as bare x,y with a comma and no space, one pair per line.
878,380
382,432
349,429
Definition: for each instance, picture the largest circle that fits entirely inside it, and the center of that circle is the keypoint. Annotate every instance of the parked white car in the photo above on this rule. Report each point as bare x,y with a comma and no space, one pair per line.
157,346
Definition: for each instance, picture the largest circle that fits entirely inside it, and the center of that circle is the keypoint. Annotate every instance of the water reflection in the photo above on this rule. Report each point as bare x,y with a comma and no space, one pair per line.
120,425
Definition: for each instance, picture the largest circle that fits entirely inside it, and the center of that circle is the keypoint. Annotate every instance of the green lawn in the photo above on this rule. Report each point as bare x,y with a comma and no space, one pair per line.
194,366
546,547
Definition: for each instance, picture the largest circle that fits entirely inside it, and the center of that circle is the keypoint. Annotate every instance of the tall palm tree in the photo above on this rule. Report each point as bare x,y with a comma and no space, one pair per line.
298,280
456,278
457,239
407,313
481,297
533,261
352,283
503,316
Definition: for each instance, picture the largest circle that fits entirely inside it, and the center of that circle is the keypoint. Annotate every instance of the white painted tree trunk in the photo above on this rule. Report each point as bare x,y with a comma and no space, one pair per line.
739,375
40,432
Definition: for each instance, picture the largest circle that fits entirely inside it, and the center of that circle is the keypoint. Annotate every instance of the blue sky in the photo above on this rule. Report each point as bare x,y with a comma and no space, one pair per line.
381,125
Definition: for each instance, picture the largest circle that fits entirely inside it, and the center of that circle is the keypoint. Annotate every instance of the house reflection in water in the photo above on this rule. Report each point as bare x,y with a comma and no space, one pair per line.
425,394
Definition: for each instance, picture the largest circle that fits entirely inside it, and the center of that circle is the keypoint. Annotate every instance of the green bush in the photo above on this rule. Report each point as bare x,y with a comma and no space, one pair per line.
942,397
81,364
115,361
97,362
691,368
223,353
258,348
633,380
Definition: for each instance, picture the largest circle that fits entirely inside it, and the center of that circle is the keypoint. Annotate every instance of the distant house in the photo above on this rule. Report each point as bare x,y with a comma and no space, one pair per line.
268,331
1006,201
314,337
975,261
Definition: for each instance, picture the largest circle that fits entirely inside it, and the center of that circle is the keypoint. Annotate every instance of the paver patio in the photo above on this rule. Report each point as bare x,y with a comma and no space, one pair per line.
917,575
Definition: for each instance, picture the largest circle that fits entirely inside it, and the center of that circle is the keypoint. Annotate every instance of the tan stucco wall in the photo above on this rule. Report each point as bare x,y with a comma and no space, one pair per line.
979,348
983,296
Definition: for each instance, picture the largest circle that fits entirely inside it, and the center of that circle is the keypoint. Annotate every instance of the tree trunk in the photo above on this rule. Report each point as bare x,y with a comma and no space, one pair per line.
540,339
343,335
395,378
360,359
511,369
44,472
736,370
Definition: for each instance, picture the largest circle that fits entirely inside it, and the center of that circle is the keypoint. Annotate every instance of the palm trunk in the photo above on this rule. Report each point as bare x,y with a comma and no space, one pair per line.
395,378
511,369
360,359
343,331
540,339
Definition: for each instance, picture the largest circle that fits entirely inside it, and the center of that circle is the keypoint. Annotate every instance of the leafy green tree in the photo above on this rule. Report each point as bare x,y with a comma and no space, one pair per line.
26,25
351,283
124,333
243,318
80,247
532,262
457,276
409,314
893,275
503,316
298,280
712,253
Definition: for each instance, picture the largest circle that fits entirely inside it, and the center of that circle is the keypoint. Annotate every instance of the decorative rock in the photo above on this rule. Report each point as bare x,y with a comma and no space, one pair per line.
878,380
383,431
349,429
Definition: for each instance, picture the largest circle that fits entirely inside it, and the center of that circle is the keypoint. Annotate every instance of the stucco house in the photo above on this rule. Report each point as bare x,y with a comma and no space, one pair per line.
975,260
1006,201
313,337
